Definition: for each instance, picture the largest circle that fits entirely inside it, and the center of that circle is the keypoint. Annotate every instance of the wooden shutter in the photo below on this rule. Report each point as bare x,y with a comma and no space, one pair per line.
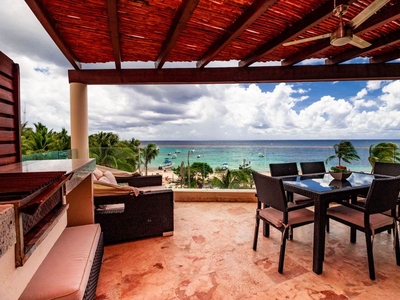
10,122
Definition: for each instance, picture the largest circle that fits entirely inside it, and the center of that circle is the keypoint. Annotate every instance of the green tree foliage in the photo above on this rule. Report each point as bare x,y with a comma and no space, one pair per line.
62,141
109,151
344,151
130,152
105,147
25,134
101,147
384,152
39,140
199,172
233,179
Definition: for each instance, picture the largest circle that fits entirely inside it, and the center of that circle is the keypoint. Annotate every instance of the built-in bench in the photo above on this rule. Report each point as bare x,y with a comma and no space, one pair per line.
71,268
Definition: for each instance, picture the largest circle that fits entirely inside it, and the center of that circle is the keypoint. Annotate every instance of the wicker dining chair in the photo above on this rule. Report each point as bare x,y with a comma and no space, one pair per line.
382,197
312,167
290,169
274,209
386,169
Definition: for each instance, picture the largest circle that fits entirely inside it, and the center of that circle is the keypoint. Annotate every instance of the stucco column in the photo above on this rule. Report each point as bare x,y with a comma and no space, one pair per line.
79,120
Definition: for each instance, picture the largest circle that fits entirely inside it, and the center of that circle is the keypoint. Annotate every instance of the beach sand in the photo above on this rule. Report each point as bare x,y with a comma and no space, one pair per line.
169,178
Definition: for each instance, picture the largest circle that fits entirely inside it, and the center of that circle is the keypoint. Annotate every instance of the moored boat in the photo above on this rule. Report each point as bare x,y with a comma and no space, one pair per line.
224,166
245,164
166,165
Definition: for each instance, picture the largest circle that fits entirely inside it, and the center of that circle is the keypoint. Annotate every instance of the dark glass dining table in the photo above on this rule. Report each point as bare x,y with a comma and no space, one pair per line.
323,189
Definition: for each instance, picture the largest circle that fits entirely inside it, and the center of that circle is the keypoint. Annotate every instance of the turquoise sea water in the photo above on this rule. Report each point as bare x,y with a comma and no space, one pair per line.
215,153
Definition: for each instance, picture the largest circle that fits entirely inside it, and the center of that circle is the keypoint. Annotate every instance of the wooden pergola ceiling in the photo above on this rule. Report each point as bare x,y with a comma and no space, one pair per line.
205,31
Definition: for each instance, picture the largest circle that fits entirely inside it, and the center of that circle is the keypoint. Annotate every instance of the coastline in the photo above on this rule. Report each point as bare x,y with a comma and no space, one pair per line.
261,153
170,179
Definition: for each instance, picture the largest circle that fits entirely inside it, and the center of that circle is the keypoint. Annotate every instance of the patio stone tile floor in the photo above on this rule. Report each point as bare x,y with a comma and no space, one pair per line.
210,256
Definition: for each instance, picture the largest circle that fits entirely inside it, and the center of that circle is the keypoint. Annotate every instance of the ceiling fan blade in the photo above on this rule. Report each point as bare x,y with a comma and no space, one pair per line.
359,42
310,39
366,13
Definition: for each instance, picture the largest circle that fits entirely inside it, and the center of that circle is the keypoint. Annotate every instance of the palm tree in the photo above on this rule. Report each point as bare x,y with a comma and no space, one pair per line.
62,140
231,179
25,133
40,140
384,152
149,153
101,147
128,155
344,151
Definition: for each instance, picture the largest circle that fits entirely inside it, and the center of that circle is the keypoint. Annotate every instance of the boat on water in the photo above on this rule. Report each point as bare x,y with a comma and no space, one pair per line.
167,164
245,164
177,151
260,154
174,156
198,155
224,166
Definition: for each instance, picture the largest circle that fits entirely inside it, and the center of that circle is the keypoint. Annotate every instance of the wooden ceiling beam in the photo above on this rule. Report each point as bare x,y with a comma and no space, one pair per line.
388,40
179,22
317,16
44,18
276,74
250,15
114,33
385,57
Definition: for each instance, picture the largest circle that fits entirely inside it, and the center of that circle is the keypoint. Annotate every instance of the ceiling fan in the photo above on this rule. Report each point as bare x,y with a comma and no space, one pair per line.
344,33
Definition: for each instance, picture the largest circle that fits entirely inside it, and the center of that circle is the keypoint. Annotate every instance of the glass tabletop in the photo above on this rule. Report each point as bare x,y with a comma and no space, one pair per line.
326,183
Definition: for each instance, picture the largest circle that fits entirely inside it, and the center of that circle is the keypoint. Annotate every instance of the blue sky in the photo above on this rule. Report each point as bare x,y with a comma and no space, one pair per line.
326,110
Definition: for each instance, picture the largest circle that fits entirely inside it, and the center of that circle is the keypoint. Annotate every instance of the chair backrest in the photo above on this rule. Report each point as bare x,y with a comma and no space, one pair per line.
389,169
382,195
270,191
283,169
312,167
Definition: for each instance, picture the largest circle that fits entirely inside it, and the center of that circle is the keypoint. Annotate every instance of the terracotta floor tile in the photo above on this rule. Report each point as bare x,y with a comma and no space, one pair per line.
210,256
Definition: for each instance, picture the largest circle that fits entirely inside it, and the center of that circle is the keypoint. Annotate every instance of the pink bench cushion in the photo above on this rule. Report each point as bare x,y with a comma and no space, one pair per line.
65,271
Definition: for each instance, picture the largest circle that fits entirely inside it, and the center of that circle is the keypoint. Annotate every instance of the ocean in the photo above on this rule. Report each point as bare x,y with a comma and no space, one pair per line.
259,152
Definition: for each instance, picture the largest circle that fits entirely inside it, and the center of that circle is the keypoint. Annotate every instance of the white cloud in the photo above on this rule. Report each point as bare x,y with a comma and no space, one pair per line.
159,112
373,85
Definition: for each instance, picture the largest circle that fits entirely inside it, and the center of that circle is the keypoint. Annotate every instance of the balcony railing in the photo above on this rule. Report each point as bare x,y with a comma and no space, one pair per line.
205,163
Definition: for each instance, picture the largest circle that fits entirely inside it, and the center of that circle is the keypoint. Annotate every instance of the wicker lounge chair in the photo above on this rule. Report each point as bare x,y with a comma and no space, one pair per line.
140,208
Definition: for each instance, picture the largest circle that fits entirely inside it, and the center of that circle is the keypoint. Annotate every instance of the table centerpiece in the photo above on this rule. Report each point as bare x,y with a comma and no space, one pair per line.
340,172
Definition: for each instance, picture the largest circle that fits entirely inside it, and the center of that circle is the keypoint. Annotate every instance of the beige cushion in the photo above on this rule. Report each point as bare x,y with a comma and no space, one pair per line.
97,173
295,217
104,179
108,189
65,271
117,173
110,177
357,217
